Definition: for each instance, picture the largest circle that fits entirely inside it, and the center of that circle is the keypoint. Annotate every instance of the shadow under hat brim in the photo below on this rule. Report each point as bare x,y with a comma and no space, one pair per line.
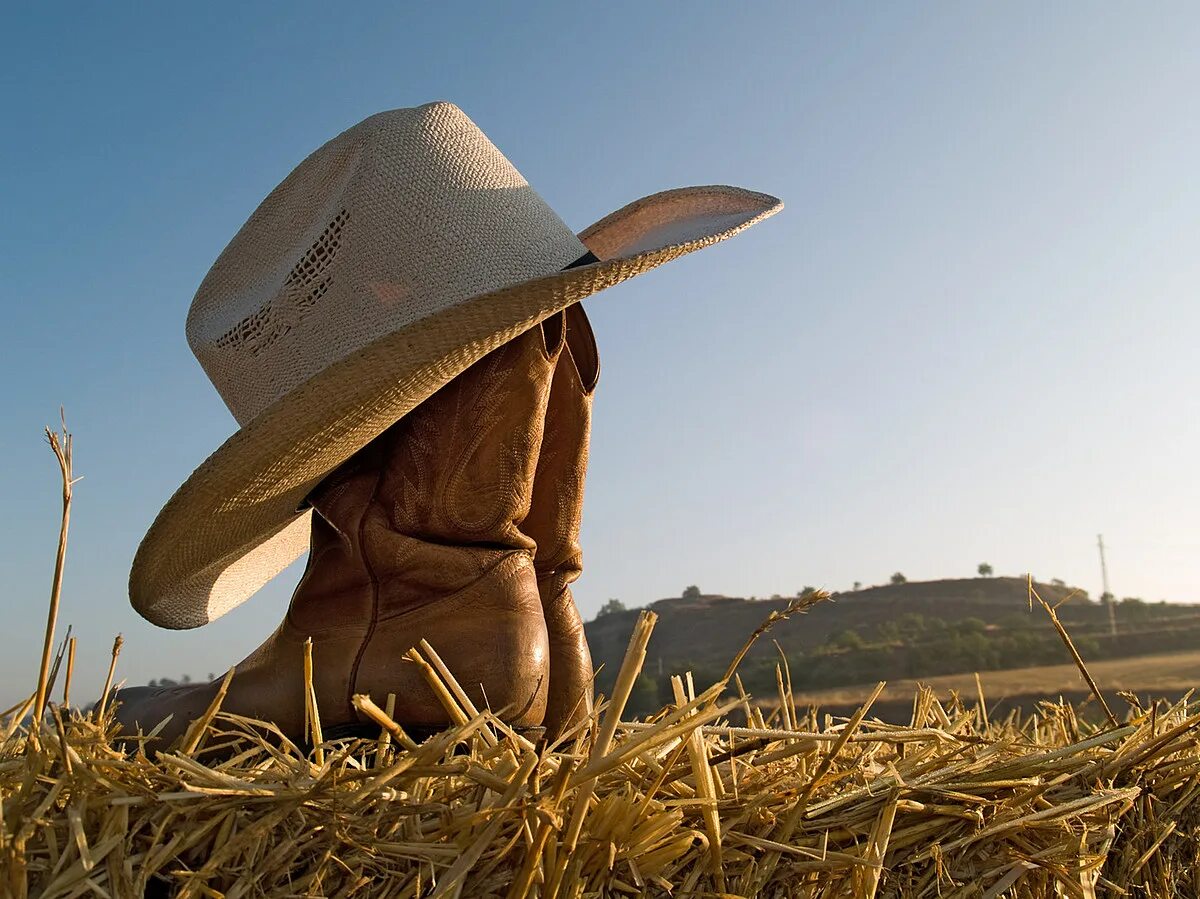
236,521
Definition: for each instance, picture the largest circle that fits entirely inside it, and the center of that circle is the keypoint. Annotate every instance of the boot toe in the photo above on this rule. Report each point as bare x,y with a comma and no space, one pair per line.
142,709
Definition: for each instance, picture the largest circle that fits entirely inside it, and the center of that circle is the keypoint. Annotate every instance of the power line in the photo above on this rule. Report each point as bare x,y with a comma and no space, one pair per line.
1108,599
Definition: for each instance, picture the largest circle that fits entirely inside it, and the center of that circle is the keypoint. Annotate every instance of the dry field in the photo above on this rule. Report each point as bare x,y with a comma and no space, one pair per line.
1168,674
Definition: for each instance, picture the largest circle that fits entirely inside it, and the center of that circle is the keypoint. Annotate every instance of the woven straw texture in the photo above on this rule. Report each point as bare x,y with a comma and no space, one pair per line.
388,262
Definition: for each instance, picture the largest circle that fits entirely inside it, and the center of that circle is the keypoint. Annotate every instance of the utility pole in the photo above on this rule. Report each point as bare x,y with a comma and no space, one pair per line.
1109,599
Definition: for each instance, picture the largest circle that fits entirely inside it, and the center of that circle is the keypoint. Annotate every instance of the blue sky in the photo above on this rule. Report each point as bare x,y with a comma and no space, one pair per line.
968,337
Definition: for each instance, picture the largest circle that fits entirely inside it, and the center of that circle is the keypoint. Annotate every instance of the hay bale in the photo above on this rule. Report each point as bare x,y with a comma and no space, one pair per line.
952,805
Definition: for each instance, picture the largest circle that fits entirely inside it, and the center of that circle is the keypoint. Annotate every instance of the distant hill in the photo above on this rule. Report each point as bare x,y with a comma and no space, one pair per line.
912,629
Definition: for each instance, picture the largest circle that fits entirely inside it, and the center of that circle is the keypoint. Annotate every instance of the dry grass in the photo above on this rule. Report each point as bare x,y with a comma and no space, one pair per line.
947,806
951,805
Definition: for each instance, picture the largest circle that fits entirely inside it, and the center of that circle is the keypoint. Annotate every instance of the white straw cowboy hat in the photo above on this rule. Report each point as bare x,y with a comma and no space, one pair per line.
391,260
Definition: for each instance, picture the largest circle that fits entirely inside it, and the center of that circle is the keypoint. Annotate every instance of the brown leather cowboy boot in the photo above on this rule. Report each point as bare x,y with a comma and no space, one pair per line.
554,519
415,537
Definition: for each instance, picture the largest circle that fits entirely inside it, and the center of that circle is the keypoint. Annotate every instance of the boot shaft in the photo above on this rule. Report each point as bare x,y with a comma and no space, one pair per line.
556,511
554,521
438,499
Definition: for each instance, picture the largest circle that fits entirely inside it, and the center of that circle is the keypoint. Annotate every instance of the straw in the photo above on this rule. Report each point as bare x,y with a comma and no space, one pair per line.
683,803
70,671
102,706
854,807
1075,656
62,445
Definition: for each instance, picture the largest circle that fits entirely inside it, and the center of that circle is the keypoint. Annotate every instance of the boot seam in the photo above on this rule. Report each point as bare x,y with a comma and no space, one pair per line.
503,570
352,682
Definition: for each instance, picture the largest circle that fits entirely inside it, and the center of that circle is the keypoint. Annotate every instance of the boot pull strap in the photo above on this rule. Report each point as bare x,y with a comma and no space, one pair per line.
581,343
553,333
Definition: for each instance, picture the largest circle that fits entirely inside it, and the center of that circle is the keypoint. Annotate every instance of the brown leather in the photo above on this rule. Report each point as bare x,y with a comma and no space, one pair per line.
554,520
418,536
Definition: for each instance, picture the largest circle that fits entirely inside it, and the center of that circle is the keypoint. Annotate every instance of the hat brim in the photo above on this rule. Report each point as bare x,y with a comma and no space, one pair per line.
238,520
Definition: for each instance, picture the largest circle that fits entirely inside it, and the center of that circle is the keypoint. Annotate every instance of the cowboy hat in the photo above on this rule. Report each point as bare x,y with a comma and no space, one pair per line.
387,263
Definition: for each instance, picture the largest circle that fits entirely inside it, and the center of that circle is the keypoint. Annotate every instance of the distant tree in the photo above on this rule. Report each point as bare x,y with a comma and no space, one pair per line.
1058,582
847,639
806,591
776,596
985,570
643,698
692,592
913,625
610,608
857,586
899,578
185,679
1134,607
153,682
972,626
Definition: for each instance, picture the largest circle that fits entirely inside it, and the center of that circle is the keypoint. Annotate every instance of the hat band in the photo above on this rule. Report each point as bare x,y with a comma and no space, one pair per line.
586,259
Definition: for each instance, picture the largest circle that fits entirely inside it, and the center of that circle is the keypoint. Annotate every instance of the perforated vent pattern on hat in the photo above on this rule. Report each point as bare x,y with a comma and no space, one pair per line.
305,284
436,216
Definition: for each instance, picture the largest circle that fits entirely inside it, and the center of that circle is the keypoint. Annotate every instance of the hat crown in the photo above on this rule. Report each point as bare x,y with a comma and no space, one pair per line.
393,221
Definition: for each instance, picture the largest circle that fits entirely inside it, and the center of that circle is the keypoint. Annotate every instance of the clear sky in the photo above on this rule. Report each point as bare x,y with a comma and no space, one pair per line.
969,336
